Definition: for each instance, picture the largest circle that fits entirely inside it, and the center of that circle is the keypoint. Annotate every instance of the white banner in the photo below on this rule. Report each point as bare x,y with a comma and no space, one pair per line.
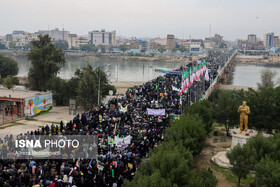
120,142
175,89
123,109
157,112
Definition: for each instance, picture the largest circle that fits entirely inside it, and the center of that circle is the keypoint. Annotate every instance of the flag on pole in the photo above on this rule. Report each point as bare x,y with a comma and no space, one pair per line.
90,163
157,86
207,75
78,162
191,79
197,73
204,68
201,71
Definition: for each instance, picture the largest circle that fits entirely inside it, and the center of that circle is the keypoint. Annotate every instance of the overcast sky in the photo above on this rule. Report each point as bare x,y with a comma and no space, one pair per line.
140,18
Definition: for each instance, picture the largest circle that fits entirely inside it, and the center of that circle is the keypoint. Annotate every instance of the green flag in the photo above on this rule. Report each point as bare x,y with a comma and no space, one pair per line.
110,141
157,86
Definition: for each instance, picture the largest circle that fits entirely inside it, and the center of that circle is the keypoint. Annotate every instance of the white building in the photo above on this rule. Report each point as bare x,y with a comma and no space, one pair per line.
56,34
75,41
102,37
21,39
268,40
252,38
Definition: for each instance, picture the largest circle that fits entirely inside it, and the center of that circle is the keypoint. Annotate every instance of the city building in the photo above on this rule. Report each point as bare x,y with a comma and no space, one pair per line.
192,44
16,104
18,32
75,41
170,42
268,40
276,41
132,44
144,44
102,37
252,38
55,34
155,46
209,44
21,38
160,41
1,39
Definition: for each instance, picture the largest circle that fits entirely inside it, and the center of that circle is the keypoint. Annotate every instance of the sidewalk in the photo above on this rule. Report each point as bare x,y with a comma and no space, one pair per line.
56,115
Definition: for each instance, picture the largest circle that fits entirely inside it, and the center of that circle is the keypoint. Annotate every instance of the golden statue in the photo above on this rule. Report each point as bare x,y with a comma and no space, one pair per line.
244,110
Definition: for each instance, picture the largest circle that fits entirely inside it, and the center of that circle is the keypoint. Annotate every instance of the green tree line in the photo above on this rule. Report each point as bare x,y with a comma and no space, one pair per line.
259,154
264,105
47,59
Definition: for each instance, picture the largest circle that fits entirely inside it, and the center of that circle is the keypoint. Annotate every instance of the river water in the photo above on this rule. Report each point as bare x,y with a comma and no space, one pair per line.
250,75
120,70
116,69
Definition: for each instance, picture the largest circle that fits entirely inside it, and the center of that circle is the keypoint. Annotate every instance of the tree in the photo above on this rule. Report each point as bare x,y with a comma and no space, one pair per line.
202,109
46,60
12,45
87,92
88,85
123,48
203,178
161,49
225,105
242,160
102,48
188,131
174,50
2,46
63,45
89,48
267,81
268,172
8,67
222,45
8,82
143,50
58,87
169,165
182,49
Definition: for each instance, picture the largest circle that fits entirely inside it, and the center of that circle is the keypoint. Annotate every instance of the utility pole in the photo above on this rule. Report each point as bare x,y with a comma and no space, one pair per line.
99,86
102,66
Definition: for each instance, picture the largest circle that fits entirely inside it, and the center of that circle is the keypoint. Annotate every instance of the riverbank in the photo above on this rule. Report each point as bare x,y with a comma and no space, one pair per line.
114,56
260,60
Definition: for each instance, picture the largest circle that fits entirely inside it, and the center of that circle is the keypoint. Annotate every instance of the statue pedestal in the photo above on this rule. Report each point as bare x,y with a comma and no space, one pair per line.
220,158
241,138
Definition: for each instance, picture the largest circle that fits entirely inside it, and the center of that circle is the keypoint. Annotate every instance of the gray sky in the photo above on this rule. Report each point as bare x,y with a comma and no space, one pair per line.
230,18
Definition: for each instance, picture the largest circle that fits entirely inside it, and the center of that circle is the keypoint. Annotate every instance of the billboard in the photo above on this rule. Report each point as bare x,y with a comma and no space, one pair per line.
37,105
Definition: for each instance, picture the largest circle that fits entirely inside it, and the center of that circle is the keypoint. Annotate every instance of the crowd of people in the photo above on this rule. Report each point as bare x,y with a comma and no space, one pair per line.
121,117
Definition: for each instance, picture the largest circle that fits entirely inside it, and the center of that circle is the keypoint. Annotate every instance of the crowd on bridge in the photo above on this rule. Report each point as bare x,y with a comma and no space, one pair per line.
122,117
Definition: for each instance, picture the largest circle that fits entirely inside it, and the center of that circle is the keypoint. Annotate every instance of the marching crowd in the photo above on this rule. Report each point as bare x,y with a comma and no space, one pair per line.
121,117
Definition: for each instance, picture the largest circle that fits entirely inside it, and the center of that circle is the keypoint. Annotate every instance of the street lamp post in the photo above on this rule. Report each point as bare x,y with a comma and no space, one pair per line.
102,66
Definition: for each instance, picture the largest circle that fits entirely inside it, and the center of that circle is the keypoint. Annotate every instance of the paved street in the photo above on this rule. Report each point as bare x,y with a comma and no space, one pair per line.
55,115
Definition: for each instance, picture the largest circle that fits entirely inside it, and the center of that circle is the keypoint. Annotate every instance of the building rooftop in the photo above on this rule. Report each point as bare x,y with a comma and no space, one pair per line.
20,94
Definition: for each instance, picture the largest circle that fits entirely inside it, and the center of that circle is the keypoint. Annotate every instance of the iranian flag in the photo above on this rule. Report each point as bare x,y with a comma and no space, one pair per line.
206,75
204,68
193,74
188,83
78,163
201,70
197,73
191,77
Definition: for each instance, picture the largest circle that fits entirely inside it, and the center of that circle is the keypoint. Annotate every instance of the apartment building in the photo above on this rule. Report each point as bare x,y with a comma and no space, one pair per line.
102,37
